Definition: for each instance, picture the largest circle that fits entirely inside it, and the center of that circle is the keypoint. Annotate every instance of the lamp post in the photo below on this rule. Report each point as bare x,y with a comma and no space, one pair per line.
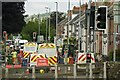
49,23
56,19
46,24
69,14
39,24
79,29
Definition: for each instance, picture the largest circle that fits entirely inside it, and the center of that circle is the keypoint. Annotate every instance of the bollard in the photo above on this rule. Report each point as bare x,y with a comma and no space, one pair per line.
87,70
56,71
75,70
33,73
6,73
90,67
105,71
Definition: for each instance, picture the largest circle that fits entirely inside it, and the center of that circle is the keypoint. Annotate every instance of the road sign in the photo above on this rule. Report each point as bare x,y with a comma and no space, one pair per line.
42,62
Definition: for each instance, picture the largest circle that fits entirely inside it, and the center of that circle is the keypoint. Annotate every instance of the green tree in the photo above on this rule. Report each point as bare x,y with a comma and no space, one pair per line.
61,16
33,26
12,16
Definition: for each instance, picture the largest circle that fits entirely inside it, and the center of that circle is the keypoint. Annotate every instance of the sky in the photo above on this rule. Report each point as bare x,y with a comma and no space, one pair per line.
38,6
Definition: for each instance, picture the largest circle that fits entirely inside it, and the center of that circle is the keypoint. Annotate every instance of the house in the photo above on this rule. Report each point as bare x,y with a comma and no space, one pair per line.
77,27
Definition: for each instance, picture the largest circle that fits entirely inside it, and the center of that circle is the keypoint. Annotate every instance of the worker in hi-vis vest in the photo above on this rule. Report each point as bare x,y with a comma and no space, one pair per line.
14,56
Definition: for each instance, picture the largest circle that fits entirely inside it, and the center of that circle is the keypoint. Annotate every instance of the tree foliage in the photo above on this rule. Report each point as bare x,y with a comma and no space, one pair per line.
33,26
12,16
61,16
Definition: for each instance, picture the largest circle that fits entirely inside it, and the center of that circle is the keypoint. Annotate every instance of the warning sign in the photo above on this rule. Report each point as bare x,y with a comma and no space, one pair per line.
42,62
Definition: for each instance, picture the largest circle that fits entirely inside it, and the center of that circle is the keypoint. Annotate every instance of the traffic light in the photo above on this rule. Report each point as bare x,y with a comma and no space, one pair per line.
102,17
92,17
88,60
34,35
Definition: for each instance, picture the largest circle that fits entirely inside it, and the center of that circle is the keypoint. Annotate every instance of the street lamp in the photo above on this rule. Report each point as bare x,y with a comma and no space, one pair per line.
46,24
39,24
49,22
56,19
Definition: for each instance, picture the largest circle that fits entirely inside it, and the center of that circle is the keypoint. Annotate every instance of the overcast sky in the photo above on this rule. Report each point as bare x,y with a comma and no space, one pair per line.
38,6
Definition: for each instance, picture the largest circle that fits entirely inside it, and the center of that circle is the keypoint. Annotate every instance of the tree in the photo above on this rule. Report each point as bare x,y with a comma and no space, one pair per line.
61,16
33,26
12,16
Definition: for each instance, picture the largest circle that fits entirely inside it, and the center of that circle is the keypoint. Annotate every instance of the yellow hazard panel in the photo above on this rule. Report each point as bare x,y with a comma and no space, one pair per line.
27,54
52,60
30,44
35,56
47,45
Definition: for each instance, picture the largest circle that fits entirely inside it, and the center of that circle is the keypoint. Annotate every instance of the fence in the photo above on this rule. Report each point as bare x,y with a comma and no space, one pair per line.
91,71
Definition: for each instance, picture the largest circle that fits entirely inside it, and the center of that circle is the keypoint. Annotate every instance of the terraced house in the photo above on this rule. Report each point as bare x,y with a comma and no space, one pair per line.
77,26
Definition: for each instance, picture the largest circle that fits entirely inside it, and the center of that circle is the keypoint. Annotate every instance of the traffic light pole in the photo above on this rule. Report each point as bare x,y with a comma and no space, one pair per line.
88,36
88,28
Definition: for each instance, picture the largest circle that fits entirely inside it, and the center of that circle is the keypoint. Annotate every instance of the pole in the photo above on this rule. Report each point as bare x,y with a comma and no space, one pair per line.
39,24
94,36
115,12
46,27
75,70
68,22
56,19
88,27
105,74
114,55
79,29
88,36
56,72
49,25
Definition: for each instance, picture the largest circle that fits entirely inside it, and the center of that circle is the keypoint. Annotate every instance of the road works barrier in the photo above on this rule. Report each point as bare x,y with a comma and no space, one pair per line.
90,70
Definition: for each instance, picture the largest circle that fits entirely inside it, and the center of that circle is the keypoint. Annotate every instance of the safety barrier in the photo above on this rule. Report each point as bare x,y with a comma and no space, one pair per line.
83,70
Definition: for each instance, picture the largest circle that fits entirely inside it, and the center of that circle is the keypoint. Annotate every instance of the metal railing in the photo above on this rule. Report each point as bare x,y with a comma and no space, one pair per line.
83,70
